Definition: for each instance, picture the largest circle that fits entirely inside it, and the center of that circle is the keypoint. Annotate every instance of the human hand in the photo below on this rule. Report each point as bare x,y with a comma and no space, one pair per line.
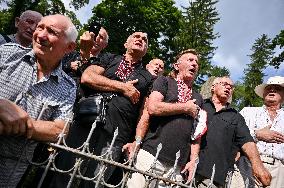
74,65
14,120
189,170
131,92
87,41
267,135
191,108
129,149
262,175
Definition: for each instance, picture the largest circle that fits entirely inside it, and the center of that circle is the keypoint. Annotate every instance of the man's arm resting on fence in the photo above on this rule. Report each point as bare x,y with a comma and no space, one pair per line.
259,171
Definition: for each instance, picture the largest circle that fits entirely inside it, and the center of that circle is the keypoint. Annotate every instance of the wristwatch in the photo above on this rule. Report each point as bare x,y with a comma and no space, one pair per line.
138,140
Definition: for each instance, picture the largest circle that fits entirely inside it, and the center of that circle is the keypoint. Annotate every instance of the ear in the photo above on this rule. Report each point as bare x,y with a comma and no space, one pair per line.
17,20
125,45
176,66
212,88
71,46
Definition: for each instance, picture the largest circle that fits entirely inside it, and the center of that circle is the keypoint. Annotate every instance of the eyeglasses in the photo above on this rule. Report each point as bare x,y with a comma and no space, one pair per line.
226,84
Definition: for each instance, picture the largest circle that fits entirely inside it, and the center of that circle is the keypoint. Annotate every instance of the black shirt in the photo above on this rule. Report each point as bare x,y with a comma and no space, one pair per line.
174,132
227,133
121,112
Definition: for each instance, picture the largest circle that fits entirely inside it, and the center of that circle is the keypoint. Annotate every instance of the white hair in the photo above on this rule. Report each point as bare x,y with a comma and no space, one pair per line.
71,33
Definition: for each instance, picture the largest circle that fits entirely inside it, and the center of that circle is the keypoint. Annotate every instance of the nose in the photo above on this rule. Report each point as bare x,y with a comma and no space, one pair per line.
42,34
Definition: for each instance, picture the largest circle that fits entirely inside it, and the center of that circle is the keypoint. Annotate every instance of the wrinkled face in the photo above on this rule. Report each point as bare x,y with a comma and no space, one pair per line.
273,94
187,66
223,88
27,25
137,43
100,41
155,67
49,38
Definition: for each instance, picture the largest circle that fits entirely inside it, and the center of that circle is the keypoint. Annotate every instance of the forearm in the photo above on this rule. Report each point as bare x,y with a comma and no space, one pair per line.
143,122
165,109
194,149
48,131
92,77
250,150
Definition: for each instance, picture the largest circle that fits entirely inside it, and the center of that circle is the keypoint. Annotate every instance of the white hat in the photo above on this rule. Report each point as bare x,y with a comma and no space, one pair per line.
275,80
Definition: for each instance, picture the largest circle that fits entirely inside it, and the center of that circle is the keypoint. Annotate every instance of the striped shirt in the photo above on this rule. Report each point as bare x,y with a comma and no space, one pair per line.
258,118
19,83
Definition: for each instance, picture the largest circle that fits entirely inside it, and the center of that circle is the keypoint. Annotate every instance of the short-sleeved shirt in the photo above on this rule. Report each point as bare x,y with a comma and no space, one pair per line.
174,131
19,84
122,113
227,133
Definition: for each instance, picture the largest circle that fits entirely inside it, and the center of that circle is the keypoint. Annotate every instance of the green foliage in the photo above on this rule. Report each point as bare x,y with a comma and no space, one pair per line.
278,41
197,32
158,18
45,7
253,74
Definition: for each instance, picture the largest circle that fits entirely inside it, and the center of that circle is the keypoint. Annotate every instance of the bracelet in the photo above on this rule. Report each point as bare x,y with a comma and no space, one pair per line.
138,140
254,136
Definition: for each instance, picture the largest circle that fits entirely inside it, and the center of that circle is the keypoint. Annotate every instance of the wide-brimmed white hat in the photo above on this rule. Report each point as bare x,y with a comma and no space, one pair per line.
275,80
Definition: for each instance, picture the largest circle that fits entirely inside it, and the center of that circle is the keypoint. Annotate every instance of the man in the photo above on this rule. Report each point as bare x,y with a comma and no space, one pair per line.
227,133
156,67
266,127
172,110
36,95
74,64
26,25
125,77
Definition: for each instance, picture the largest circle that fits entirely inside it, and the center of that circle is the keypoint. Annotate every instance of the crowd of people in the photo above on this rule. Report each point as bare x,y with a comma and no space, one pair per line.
43,80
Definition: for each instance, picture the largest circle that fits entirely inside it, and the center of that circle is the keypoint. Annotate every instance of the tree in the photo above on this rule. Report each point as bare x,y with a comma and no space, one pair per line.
278,41
197,32
253,74
45,7
158,18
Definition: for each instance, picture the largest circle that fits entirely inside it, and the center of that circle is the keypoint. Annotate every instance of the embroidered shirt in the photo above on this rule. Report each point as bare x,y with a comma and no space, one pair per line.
124,69
183,94
258,118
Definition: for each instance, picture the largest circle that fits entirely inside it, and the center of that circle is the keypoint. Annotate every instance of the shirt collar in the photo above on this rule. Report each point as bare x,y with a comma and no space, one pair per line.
57,73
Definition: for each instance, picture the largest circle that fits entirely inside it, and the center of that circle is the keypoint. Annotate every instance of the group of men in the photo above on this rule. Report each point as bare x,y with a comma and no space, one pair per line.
37,95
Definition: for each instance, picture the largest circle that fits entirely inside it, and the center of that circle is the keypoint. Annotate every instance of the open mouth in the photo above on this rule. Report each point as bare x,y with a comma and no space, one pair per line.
156,71
192,70
138,44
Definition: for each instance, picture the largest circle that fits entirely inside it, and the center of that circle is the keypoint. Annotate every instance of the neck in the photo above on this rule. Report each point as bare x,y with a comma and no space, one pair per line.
218,103
132,58
22,41
188,83
44,68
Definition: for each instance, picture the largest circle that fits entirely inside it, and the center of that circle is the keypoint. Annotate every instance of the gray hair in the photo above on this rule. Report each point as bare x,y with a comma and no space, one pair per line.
71,33
27,13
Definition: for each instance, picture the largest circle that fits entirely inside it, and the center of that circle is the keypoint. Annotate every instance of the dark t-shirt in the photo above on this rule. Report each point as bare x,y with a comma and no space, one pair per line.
173,131
121,112
227,133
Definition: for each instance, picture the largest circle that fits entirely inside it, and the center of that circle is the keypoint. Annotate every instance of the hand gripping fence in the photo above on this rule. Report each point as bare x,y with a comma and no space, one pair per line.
83,153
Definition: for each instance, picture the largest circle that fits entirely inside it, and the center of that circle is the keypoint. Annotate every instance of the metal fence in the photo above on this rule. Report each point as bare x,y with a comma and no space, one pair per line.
84,153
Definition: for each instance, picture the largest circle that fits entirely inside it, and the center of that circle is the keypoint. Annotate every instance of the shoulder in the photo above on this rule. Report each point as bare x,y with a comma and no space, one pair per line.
249,111
68,81
12,50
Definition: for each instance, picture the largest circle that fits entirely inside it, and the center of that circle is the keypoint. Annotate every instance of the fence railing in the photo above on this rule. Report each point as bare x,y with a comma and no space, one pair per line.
84,153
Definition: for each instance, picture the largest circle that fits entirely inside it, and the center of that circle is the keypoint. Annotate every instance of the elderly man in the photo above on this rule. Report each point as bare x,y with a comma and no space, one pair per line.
266,127
125,77
26,25
74,64
156,67
227,133
172,110
36,95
